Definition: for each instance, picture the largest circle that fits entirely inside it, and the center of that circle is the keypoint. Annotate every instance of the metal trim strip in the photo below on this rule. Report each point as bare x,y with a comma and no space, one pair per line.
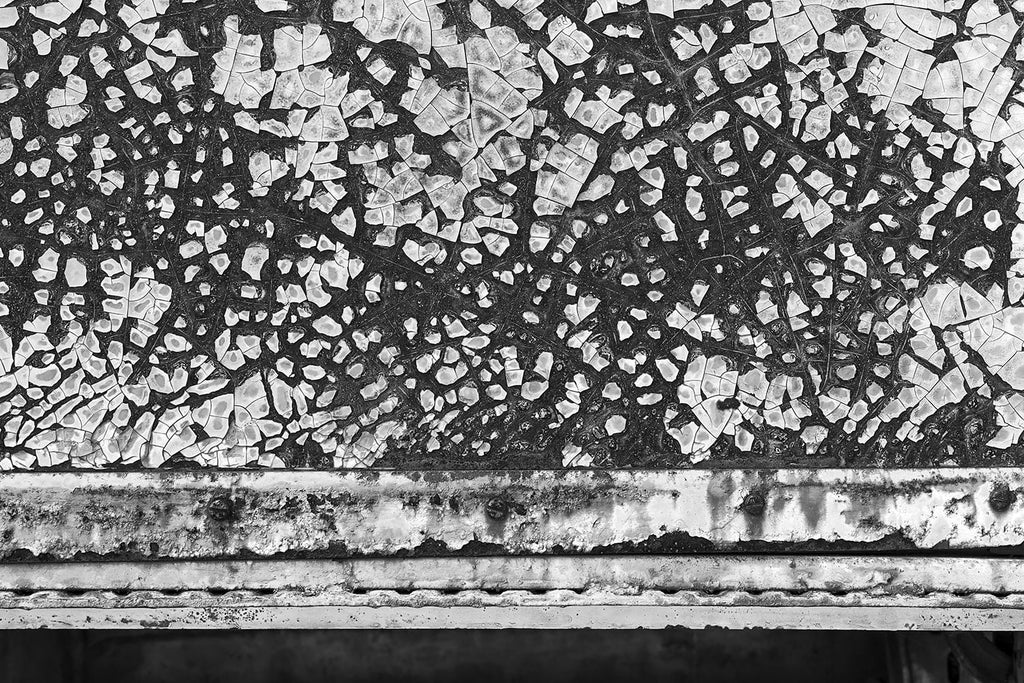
244,514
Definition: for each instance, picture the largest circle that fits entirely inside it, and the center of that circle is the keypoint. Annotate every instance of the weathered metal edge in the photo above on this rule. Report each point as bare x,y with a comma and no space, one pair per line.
514,609
242,514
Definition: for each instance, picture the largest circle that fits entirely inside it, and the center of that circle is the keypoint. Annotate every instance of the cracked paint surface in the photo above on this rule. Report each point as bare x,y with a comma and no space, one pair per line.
488,233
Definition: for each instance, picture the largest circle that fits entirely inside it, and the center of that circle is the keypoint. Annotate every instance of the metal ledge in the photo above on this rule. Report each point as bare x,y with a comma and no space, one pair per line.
538,549
232,514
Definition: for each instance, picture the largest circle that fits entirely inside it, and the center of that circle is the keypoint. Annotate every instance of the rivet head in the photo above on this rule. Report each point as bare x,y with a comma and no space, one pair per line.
1001,497
754,504
220,508
496,509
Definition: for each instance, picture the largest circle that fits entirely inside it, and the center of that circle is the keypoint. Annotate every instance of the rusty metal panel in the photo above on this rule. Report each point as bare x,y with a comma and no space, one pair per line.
676,312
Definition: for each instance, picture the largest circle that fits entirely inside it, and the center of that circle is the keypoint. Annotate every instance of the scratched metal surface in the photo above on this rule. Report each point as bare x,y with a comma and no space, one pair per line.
497,234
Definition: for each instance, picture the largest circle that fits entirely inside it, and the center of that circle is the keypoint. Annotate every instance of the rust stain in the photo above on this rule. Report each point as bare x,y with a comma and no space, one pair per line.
811,498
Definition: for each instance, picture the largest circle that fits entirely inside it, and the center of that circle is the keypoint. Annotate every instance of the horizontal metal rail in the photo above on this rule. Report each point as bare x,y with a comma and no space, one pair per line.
882,549
242,514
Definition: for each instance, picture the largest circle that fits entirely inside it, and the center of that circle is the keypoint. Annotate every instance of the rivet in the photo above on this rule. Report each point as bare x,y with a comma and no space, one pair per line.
1001,497
220,508
496,509
754,504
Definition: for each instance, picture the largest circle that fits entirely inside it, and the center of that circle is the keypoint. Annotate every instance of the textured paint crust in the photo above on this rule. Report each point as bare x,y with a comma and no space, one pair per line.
511,233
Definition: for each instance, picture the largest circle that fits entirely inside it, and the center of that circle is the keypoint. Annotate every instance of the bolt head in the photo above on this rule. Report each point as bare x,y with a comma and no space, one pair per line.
754,504
221,508
497,509
1001,497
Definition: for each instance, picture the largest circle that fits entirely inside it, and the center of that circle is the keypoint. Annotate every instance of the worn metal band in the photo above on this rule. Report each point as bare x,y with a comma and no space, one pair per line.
225,514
